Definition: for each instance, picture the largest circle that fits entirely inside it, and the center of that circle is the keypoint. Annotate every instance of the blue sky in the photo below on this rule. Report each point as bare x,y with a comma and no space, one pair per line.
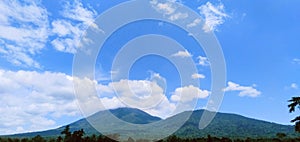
38,40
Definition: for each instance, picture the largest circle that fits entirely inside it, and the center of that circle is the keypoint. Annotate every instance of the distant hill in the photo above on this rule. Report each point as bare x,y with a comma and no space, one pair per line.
233,126
223,125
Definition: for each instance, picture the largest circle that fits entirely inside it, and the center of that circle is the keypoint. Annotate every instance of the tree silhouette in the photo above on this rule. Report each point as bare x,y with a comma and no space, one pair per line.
38,138
295,101
67,133
77,136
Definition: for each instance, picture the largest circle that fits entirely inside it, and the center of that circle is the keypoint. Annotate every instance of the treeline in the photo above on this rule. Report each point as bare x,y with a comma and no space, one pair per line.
78,136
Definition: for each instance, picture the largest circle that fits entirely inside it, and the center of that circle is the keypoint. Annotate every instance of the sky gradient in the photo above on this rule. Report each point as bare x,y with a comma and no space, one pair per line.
38,39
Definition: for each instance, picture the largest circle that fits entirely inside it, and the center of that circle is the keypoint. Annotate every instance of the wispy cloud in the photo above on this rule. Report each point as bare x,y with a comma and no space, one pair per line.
203,61
294,86
69,29
296,61
249,91
178,16
169,9
214,15
182,54
194,23
198,76
23,31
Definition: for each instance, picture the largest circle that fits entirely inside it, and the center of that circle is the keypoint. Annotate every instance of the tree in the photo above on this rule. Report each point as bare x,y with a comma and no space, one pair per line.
59,139
38,138
77,136
295,102
67,133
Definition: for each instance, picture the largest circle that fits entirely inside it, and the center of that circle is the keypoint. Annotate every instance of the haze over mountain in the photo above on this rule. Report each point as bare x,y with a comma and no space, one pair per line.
223,125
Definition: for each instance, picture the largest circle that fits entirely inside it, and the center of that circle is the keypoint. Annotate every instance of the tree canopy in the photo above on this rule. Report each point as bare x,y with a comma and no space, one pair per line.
295,102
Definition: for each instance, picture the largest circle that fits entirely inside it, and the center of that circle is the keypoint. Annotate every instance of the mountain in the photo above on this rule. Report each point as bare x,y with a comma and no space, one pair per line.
130,115
233,126
223,125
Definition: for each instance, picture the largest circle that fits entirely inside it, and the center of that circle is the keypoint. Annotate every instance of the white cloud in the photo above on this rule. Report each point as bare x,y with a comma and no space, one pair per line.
23,31
203,61
194,23
296,61
143,94
249,91
76,11
159,80
188,94
168,8
198,76
183,54
214,15
294,86
178,16
34,100
69,29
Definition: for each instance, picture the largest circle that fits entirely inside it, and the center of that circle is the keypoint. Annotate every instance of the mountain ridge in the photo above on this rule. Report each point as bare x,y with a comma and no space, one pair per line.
223,125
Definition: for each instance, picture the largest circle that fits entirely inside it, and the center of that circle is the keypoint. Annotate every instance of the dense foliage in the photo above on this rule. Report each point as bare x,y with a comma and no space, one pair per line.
78,136
295,101
224,125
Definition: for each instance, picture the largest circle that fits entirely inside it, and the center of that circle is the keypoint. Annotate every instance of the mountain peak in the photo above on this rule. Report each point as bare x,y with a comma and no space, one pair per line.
134,115
223,125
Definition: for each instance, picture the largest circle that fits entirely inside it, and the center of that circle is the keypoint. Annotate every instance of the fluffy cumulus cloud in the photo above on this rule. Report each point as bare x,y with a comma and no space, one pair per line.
34,100
183,54
249,91
23,31
214,15
143,94
188,94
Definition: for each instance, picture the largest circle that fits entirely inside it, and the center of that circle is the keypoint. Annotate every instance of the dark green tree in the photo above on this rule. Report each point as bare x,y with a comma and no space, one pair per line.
59,139
77,136
295,102
67,133
38,138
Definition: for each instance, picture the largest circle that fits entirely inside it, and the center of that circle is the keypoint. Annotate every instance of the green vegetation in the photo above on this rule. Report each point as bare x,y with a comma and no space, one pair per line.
295,101
78,136
225,127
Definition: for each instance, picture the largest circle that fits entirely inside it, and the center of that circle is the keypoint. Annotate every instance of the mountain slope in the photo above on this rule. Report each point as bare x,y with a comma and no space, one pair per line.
223,125
130,115
232,125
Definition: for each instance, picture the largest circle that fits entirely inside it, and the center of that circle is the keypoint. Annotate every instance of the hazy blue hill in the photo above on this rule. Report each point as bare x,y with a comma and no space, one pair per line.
223,125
